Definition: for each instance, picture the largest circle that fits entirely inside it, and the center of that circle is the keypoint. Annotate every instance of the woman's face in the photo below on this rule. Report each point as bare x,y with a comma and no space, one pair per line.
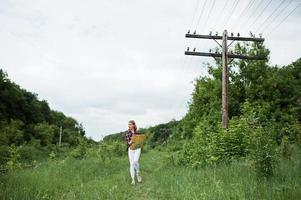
131,126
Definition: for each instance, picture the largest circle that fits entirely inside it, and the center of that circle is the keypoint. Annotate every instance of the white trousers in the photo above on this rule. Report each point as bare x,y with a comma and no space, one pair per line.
134,158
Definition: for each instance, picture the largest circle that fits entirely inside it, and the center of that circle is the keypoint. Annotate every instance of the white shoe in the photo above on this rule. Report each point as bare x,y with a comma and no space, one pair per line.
139,178
133,181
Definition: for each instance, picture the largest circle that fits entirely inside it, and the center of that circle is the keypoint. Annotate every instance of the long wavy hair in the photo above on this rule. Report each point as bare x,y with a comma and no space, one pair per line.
135,126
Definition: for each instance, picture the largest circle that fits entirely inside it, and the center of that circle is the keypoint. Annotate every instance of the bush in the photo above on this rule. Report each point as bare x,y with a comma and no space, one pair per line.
5,155
203,148
263,152
118,148
286,149
10,159
61,150
52,156
29,152
80,151
104,151
245,138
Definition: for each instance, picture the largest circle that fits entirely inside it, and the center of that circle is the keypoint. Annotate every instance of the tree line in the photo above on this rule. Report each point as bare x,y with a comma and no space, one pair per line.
25,120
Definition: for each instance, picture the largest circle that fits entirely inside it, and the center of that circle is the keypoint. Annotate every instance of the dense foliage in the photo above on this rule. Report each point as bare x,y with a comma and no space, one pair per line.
29,127
264,112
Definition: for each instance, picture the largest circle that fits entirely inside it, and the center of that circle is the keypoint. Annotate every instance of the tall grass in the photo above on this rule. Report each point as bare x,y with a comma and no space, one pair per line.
92,178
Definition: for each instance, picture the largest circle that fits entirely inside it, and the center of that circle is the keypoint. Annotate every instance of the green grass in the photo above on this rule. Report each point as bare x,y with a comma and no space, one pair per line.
94,179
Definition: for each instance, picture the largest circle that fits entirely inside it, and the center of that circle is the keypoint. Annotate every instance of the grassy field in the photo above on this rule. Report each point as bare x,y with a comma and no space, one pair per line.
94,179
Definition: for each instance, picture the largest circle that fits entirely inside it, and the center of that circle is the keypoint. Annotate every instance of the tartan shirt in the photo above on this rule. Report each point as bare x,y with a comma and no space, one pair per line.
128,136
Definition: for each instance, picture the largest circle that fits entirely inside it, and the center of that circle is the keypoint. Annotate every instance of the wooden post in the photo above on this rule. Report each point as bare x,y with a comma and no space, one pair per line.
225,80
60,135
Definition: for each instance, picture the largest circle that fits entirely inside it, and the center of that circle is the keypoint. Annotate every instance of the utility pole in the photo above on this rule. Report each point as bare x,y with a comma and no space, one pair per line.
225,81
60,135
224,55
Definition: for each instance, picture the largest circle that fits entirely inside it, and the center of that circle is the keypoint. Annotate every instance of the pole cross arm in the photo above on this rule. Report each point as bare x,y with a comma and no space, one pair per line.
218,55
218,37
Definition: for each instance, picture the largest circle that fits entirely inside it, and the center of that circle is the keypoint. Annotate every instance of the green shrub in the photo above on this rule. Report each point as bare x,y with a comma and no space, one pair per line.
5,155
52,156
211,144
262,152
62,150
286,148
202,149
29,152
78,152
245,138
118,148
107,151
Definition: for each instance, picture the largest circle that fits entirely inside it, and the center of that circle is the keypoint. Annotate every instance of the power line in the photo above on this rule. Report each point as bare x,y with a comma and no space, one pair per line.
198,5
200,17
249,5
220,13
266,6
283,19
250,17
276,16
226,14
231,12
274,11
185,64
201,14
208,16
195,12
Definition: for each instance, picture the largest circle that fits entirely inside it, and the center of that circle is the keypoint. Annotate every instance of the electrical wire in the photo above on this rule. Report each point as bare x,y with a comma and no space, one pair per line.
276,16
274,11
208,16
258,16
201,14
231,12
283,19
250,17
195,13
249,5
220,13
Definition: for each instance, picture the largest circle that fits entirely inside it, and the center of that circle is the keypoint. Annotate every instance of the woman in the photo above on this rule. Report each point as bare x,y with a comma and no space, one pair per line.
133,154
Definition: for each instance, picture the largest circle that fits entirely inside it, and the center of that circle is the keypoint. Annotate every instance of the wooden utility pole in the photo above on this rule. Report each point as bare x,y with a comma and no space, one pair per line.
61,130
224,55
225,81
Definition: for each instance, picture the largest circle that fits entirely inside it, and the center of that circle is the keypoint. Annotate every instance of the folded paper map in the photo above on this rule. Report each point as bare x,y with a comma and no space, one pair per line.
137,141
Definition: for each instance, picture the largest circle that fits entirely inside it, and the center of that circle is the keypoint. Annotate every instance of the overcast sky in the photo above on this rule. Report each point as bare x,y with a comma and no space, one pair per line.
105,62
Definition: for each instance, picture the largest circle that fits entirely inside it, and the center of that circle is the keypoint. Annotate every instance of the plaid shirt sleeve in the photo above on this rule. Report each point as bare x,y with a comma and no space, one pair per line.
127,137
